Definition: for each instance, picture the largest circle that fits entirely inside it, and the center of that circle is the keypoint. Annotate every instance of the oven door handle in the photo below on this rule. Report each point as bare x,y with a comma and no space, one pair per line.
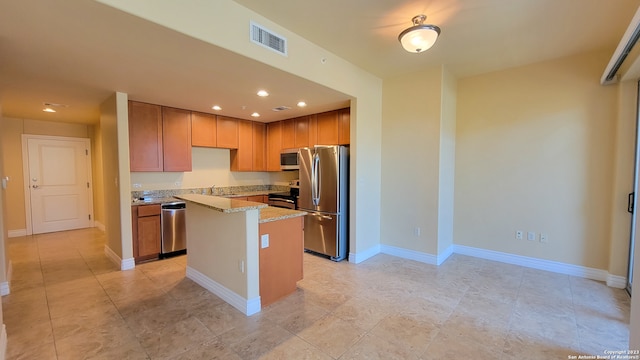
282,200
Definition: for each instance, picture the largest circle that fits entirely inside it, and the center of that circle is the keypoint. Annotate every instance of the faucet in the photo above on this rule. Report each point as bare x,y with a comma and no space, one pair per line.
213,189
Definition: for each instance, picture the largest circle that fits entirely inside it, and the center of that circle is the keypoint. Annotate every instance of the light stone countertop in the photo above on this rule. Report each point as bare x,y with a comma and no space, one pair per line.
222,204
272,213
230,205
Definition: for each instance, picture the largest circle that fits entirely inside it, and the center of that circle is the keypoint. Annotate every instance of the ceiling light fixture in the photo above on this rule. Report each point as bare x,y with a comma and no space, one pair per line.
49,110
302,104
216,108
263,93
419,37
255,114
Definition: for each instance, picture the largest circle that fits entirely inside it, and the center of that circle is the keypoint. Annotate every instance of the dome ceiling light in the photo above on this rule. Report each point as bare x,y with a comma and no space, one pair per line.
419,37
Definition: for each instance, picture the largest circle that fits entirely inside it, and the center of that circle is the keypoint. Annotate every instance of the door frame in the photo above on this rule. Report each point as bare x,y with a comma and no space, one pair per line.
25,174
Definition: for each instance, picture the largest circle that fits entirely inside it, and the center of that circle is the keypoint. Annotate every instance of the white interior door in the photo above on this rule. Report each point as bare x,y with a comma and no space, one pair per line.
58,184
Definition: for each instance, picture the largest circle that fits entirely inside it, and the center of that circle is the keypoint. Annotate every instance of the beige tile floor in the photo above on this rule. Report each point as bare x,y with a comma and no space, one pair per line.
68,301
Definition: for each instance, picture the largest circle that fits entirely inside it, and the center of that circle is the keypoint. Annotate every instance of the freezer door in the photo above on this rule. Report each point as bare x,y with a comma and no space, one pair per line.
321,233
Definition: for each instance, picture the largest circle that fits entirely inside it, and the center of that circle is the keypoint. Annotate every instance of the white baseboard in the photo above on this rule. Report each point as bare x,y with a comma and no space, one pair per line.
126,264
3,343
534,263
409,254
246,306
443,256
99,225
17,233
615,281
5,286
357,258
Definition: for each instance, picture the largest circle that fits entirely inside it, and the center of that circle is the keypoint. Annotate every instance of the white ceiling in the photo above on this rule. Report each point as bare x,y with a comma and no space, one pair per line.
69,52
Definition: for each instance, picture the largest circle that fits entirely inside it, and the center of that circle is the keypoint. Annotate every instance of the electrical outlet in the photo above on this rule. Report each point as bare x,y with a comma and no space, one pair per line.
519,235
264,241
544,238
416,232
178,183
531,235
241,266
137,186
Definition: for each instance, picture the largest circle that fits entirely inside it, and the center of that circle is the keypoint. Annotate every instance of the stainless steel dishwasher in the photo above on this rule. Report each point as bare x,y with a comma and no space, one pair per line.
174,229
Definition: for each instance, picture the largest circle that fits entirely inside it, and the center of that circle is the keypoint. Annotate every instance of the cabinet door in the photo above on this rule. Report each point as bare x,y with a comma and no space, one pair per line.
242,158
302,131
255,198
313,130
176,139
149,236
274,145
288,134
145,137
259,146
203,129
227,132
344,126
328,128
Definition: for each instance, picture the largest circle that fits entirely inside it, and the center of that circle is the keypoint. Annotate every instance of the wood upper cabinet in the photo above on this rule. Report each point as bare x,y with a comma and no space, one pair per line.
302,131
259,146
146,231
344,126
242,157
328,128
203,129
176,139
145,137
227,132
288,134
313,130
274,145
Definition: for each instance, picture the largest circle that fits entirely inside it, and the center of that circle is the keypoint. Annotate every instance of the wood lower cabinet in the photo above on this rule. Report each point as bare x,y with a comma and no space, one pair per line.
203,130
145,137
176,139
145,221
227,132
274,145
281,261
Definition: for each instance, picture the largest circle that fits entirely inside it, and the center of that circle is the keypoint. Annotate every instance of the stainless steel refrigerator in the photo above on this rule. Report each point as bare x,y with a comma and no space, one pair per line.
324,184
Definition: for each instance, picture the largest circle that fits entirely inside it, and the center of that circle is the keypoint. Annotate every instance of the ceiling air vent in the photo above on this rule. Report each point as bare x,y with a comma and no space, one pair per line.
267,38
281,108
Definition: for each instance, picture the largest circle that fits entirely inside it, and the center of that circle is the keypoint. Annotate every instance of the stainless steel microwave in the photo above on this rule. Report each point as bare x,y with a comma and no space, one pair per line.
289,159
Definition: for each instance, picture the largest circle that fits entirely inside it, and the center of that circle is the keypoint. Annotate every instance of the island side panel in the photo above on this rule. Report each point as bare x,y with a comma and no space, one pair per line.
216,245
281,262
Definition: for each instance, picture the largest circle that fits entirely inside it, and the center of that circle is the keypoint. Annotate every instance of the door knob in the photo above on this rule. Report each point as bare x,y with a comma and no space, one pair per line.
35,186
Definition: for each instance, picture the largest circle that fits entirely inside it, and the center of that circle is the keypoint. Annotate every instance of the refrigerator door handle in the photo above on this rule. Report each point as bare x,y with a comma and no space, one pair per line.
315,180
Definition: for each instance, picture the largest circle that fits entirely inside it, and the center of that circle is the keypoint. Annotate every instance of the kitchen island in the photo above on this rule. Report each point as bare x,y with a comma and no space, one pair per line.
229,254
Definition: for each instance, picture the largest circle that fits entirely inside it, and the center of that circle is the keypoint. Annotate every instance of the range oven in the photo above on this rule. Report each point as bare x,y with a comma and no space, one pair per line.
288,199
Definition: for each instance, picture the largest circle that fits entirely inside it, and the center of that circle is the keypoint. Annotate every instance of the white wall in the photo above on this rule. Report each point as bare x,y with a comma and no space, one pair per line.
224,23
411,128
535,152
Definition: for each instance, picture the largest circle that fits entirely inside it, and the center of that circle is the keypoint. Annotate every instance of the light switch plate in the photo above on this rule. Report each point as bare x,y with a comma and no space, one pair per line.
264,241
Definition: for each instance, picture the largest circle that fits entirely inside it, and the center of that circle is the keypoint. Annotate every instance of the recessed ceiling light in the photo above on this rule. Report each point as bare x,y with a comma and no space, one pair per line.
216,108
255,114
263,93
49,107
302,104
